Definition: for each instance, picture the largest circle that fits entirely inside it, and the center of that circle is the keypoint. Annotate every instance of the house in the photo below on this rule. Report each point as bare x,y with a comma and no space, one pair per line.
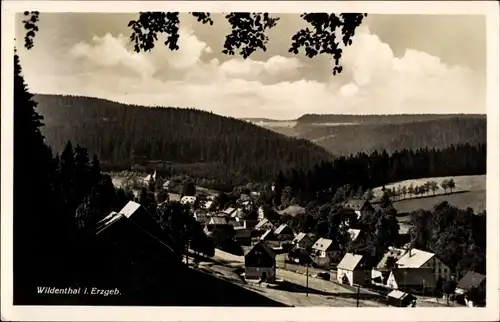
247,205
324,248
302,241
208,204
414,280
415,258
260,263
136,215
400,299
229,211
122,234
237,214
283,232
469,281
265,224
244,197
219,223
188,200
350,270
260,213
243,236
267,236
380,273
201,216
353,233
150,178
359,206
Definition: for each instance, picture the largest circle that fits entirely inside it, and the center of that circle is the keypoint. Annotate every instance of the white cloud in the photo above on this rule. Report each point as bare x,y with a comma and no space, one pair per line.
377,80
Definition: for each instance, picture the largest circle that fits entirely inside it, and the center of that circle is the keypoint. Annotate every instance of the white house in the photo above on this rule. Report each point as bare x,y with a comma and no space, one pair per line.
415,258
323,247
351,271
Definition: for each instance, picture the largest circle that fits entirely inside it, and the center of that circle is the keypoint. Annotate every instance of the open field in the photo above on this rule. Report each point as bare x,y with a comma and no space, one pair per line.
473,199
463,183
470,191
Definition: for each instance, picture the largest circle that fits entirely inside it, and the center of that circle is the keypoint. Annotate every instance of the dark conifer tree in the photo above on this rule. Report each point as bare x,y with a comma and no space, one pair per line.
33,165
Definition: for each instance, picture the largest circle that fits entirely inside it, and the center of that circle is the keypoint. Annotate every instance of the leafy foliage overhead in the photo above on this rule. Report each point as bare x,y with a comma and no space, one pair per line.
322,39
248,32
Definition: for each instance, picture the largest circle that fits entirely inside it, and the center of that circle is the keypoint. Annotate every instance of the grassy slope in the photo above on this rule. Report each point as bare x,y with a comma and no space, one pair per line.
470,192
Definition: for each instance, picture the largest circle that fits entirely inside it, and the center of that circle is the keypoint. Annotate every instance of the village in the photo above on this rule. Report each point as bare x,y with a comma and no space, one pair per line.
298,269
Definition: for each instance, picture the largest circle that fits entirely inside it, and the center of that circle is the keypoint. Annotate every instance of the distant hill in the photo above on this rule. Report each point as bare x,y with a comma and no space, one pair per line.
206,143
350,134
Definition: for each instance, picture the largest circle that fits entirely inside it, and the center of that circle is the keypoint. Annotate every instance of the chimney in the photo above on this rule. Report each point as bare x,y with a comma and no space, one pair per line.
409,254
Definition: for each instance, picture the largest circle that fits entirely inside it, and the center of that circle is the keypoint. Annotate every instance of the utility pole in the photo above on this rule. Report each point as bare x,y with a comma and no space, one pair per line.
307,279
357,296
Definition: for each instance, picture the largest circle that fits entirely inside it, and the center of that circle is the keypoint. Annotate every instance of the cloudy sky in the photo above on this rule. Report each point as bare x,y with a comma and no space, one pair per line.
397,64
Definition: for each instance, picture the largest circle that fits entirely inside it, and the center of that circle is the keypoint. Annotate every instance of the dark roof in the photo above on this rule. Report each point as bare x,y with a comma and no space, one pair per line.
414,276
470,280
355,204
268,234
264,247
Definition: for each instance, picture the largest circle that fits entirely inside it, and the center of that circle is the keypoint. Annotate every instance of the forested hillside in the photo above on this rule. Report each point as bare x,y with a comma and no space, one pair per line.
120,135
350,134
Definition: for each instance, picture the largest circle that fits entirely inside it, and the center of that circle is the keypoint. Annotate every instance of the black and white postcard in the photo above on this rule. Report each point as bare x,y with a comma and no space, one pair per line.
250,161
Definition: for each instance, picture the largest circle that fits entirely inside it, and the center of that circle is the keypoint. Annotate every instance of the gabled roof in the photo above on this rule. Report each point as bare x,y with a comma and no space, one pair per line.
322,244
353,233
414,276
262,223
299,237
130,208
414,258
280,229
264,247
355,204
350,261
267,234
470,280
